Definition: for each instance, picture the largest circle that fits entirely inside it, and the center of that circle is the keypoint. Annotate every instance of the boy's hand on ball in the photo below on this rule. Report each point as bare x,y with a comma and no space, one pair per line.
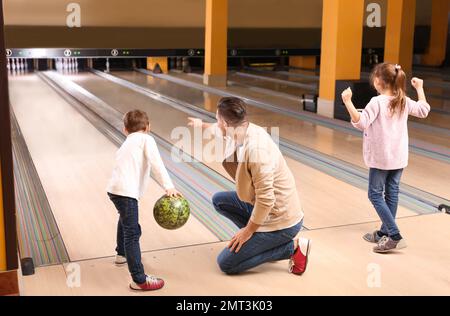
347,95
417,83
173,193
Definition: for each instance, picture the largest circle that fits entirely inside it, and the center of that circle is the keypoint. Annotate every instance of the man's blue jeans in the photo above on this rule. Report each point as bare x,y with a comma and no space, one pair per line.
128,234
384,187
261,247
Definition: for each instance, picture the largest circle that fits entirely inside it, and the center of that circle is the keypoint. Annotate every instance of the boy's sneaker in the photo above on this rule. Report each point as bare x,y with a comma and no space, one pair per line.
299,260
151,284
373,238
120,260
387,244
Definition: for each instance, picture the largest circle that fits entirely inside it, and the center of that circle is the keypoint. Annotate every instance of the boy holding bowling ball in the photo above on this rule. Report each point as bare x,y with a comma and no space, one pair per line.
135,159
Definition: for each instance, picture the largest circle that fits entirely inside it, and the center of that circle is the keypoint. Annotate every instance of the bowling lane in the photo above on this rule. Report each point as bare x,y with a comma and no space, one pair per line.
296,76
326,200
437,119
443,73
74,162
295,91
305,73
424,173
437,89
416,132
438,97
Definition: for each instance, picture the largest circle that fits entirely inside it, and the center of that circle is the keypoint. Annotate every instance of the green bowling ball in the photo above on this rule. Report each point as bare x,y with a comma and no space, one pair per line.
171,212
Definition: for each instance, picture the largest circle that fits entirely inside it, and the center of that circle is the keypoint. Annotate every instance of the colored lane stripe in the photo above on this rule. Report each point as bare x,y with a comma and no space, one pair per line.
38,233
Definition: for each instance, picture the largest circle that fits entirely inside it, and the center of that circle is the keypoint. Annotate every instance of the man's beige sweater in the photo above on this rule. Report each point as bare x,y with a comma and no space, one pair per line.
264,180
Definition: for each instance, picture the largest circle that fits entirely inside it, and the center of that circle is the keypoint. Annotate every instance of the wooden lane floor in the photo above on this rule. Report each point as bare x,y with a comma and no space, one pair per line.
424,173
74,162
440,108
436,86
326,200
438,97
341,263
272,86
422,134
47,281
415,132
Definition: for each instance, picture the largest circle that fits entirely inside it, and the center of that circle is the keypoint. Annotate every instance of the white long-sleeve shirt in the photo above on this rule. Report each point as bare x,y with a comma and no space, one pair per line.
135,160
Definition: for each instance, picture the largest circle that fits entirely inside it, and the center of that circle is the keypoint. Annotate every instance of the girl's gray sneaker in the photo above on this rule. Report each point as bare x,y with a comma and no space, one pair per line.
372,237
387,244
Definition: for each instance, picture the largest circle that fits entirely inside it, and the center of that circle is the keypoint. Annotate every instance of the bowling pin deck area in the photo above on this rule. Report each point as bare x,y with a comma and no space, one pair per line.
74,164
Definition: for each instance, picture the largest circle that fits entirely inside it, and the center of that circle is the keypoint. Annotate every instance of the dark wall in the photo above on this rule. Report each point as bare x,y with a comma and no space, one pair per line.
107,37
103,37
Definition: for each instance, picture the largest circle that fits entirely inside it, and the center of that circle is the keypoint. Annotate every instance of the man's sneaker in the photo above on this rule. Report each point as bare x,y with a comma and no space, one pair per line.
120,260
372,237
387,244
151,284
299,260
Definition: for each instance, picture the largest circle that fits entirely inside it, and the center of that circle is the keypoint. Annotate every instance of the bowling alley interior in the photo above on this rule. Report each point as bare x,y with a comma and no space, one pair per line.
110,185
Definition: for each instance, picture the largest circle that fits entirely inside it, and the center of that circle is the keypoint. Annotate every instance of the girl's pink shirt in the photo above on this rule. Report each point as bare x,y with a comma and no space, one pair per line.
385,140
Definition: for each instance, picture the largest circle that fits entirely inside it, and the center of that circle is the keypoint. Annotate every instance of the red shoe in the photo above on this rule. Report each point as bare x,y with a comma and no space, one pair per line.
151,284
299,260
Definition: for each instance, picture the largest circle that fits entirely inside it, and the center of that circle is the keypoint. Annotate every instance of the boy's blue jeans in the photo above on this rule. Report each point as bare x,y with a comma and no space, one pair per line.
261,247
384,186
128,234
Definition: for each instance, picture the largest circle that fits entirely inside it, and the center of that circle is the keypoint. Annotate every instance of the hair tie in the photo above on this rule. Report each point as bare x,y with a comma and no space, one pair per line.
397,69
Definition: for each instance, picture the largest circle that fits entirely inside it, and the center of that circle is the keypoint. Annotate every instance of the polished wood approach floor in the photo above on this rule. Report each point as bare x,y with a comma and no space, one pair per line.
341,263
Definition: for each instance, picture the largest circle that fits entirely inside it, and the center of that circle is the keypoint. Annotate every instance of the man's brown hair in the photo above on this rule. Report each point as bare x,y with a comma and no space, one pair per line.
136,121
232,110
